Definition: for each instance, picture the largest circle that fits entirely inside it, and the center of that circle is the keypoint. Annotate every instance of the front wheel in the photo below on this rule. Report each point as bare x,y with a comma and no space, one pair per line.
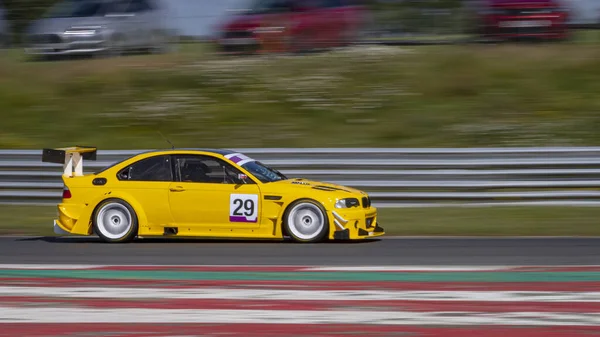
306,221
115,221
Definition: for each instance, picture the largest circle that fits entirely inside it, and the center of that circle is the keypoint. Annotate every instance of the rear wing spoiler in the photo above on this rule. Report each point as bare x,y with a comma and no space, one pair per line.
71,158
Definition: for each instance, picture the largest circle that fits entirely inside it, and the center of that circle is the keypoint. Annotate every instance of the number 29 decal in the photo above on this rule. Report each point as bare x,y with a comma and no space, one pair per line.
243,208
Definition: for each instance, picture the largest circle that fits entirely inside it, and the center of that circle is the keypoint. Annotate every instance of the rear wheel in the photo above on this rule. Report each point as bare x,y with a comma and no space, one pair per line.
115,221
306,221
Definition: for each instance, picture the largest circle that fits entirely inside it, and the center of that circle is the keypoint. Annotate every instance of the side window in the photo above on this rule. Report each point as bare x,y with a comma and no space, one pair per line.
138,6
280,6
156,168
148,5
205,169
332,3
305,5
117,6
88,9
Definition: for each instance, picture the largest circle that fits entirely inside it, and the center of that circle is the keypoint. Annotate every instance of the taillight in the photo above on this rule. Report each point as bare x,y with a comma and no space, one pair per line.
66,193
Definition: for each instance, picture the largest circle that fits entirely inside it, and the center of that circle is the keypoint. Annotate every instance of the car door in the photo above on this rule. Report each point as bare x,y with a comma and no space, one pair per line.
207,196
146,17
316,22
136,24
332,21
120,23
147,181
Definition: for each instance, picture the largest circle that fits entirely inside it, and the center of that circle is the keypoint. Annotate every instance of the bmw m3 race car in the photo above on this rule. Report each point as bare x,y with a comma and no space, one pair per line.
203,193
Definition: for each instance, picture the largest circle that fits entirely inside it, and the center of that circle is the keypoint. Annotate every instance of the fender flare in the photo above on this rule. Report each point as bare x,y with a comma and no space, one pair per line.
83,225
280,228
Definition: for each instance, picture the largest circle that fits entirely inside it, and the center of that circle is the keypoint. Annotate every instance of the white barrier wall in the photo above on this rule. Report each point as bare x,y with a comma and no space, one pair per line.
393,177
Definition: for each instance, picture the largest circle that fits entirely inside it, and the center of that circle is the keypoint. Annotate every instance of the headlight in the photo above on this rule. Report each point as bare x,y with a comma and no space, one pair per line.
347,203
82,31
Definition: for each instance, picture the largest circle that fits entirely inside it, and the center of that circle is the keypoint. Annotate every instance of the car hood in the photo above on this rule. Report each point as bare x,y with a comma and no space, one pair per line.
59,25
318,185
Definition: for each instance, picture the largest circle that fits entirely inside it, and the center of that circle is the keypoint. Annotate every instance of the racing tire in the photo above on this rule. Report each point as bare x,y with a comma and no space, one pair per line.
306,221
115,221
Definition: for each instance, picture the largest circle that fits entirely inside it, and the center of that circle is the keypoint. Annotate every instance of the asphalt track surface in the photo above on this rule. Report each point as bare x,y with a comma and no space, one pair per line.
381,252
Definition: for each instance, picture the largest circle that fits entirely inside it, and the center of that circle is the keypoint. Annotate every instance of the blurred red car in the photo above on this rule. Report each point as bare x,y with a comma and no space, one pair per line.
292,25
507,19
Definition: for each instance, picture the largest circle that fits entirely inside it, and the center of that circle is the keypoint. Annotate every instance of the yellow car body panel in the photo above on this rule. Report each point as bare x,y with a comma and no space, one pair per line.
205,209
202,206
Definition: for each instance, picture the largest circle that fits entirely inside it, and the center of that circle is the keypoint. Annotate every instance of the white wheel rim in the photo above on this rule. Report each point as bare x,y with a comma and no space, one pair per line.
306,221
114,221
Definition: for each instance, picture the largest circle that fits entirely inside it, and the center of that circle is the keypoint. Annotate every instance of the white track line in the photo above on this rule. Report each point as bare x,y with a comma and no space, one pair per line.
50,266
173,316
410,268
308,295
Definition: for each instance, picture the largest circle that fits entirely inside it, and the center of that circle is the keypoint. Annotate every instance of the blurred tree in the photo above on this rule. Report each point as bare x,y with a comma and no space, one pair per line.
20,13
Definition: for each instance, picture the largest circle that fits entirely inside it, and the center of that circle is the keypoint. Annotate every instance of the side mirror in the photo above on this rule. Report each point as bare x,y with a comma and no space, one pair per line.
242,177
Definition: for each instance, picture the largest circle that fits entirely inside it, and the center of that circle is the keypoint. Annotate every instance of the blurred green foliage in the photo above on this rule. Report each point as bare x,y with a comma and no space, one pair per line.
441,96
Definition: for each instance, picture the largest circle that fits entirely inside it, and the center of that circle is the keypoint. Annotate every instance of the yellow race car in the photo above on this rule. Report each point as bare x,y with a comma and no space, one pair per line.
203,193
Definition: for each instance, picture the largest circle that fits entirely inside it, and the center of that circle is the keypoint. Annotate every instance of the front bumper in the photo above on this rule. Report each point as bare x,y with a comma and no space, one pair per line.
526,26
355,224
362,234
68,48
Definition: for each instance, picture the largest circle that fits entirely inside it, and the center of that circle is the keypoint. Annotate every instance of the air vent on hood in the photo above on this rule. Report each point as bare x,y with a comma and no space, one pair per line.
330,189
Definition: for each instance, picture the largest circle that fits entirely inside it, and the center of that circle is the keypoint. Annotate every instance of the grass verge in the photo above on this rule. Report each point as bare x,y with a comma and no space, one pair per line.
461,221
543,94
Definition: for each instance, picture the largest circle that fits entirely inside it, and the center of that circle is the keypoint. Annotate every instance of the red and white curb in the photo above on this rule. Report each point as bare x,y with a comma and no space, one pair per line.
304,295
84,315
32,305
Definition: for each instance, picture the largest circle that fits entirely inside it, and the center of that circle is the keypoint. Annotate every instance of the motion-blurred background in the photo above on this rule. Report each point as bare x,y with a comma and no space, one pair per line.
319,19
436,108
295,74
334,73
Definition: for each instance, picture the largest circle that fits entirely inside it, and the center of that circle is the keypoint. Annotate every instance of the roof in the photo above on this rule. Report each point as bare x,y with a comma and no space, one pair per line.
217,151
214,151
167,151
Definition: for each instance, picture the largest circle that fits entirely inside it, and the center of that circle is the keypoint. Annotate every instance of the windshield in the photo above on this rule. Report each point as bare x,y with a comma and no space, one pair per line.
76,9
262,172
